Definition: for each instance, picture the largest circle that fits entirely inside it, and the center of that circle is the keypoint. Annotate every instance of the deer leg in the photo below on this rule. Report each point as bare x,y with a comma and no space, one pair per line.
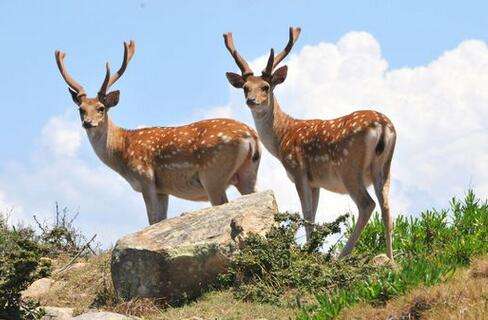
382,189
306,195
365,204
246,176
156,204
215,187
163,200
315,201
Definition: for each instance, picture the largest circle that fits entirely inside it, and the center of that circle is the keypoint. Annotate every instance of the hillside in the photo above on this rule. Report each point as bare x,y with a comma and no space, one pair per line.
440,272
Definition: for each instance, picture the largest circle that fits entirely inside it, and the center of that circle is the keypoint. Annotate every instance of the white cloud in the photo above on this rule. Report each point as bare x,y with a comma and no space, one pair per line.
6,207
61,137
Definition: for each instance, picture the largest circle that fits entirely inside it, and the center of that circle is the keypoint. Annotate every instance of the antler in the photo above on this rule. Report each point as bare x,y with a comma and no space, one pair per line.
241,63
274,61
64,73
129,50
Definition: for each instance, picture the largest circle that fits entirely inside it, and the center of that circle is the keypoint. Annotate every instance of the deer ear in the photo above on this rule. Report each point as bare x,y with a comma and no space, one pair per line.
279,75
111,99
236,80
74,96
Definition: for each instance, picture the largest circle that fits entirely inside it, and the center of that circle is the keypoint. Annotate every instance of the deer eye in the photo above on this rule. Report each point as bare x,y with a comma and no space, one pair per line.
265,88
101,109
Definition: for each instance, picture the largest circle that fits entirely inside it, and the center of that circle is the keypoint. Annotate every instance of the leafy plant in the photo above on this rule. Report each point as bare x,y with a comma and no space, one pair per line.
60,236
272,266
20,263
428,249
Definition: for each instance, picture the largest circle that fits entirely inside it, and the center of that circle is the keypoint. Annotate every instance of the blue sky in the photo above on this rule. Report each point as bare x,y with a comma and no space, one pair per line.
180,60
178,69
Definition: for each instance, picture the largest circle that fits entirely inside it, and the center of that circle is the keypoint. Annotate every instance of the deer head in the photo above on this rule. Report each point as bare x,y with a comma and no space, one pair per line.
93,111
258,90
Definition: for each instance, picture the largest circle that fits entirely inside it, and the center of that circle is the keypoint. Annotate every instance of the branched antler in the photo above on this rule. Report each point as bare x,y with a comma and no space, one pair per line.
129,50
66,76
274,61
241,63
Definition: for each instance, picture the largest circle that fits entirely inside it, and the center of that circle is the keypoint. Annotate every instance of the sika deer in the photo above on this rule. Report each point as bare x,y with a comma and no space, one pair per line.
196,162
343,155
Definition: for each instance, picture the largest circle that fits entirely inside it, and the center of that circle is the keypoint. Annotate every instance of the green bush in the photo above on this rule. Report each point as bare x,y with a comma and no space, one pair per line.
269,267
427,250
60,236
20,264
23,253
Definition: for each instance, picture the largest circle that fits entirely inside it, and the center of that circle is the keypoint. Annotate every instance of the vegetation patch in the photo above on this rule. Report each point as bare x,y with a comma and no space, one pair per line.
272,276
21,263
275,269
428,250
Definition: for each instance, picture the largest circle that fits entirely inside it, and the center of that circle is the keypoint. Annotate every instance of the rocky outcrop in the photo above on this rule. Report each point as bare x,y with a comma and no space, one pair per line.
37,289
178,258
102,316
56,313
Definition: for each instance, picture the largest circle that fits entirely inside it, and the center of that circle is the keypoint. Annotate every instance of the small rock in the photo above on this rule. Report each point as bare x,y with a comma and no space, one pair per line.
103,316
73,267
55,313
381,260
37,289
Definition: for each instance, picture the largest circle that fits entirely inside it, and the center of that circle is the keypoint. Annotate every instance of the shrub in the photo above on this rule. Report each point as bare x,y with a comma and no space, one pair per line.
427,248
60,236
272,266
20,263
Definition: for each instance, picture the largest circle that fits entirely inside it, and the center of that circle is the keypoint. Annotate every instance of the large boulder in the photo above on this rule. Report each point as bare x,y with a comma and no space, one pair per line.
178,258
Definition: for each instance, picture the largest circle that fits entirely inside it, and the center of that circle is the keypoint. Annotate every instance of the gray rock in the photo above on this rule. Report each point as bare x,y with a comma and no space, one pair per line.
102,316
37,289
178,258
55,313
380,260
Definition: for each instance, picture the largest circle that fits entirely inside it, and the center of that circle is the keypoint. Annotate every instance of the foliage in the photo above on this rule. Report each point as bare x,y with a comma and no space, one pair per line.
271,266
427,249
25,256
20,263
61,236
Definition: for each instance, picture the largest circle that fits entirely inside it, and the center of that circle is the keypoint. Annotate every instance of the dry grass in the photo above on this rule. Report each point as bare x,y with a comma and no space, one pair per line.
91,286
79,288
465,297
223,306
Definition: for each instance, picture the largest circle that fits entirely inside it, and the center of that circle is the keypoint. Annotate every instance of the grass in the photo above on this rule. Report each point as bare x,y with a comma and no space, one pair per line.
428,251
273,277
464,296
90,287
81,288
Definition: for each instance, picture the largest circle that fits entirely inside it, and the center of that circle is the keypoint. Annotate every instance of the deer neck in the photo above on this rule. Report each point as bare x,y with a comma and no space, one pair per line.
271,125
108,143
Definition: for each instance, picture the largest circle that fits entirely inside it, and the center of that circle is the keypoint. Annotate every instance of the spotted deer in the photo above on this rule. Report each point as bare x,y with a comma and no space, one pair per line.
197,161
343,155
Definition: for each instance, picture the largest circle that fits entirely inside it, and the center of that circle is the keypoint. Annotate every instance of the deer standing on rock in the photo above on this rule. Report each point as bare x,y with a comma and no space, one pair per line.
196,162
343,155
